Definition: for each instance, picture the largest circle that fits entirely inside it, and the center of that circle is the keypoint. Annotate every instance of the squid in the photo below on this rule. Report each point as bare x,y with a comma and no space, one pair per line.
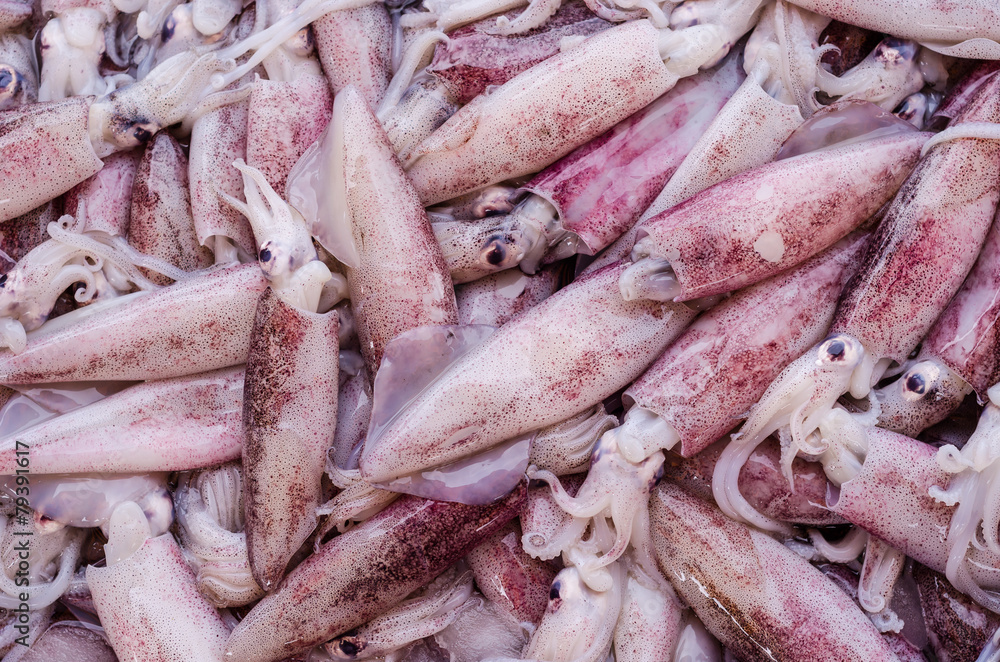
360,574
209,507
563,356
133,337
748,589
290,392
415,618
177,424
877,321
511,579
683,398
355,48
584,201
959,355
649,626
69,640
18,80
957,627
574,95
160,223
72,44
101,203
472,59
362,208
147,598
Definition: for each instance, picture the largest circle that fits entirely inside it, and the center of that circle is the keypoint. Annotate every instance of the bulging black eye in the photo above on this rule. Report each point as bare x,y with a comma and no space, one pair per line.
6,77
915,383
349,647
265,255
140,134
554,591
3,280
836,349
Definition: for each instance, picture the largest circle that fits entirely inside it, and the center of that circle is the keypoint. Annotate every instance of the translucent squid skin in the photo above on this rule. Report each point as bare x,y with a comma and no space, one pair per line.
957,627
161,224
565,355
354,46
891,499
725,361
759,598
761,222
966,337
400,281
169,425
105,196
762,483
151,609
289,417
362,573
509,577
974,25
601,188
40,132
744,135
576,95
498,298
218,138
135,338
475,57
285,117
927,242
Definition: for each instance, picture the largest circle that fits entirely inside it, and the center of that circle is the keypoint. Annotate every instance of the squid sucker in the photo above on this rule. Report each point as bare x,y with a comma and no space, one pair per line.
499,330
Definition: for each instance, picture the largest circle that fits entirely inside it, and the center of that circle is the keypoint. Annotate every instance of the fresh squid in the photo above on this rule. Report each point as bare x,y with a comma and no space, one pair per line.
885,310
584,201
361,573
578,330
728,579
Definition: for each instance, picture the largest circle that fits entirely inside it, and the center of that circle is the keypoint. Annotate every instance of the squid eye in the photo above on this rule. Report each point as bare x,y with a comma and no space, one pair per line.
895,51
3,280
496,252
554,591
840,350
915,384
349,647
303,43
265,255
169,27
141,132
132,133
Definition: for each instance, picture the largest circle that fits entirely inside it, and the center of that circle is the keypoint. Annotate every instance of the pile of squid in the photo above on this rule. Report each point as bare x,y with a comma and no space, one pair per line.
495,330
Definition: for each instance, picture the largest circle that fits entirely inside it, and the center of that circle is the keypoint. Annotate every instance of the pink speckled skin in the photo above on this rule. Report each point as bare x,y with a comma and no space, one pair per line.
745,134
944,21
563,356
542,113
601,188
289,419
360,574
162,225
45,150
759,598
957,627
803,204
13,13
498,298
151,609
967,335
187,328
726,360
354,46
509,578
761,483
474,59
106,195
19,235
285,117
402,281
927,242
890,499
217,139
175,424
